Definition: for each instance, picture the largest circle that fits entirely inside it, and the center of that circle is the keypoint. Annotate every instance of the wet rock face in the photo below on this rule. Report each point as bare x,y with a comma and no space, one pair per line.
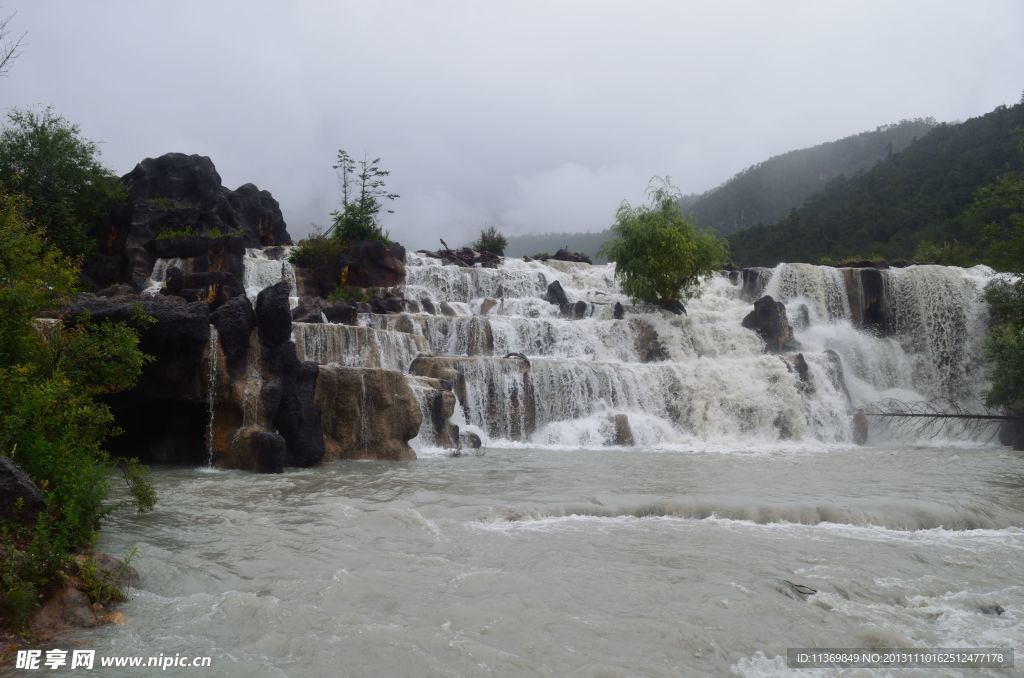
500,388
255,449
367,413
234,322
769,320
178,192
274,315
621,432
20,499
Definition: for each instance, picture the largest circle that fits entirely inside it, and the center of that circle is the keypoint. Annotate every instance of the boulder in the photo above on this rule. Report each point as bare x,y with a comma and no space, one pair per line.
621,434
556,295
274,315
470,440
255,449
297,416
67,608
860,427
20,499
437,403
309,310
373,264
234,322
645,340
769,320
367,413
487,305
565,255
342,312
618,312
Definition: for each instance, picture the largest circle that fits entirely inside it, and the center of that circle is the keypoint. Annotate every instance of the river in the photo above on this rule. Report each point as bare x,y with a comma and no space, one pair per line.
575,562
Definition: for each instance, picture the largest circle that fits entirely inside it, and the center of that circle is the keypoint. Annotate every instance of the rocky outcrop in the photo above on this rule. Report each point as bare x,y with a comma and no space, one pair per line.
869,307
769,320
366,413
68,608
255,449
753,282
556,295
20,499
437,403
620,434
177,193
499,388
645,339
274,315
234,322
361,266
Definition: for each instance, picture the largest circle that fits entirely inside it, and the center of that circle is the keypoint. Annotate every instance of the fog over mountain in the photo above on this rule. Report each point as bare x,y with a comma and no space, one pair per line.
531,117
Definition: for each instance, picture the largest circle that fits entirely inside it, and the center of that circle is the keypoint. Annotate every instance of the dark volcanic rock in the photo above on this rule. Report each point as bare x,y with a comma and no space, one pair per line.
769,320
273,314
297,416
309,310
373,264
20,499
234,322
177,340
259,450
178,192
556,295
342,312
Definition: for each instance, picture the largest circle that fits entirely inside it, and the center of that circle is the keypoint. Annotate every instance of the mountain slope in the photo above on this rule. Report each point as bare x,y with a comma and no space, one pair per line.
917,194
766,192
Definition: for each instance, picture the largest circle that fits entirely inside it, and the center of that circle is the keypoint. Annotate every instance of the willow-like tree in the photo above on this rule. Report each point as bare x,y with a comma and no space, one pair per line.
660,256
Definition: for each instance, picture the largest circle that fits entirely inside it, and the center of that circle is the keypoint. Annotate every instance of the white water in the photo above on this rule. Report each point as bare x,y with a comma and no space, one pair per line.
262,271
561,554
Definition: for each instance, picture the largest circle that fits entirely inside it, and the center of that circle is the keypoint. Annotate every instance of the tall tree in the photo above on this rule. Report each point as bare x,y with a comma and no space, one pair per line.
363,191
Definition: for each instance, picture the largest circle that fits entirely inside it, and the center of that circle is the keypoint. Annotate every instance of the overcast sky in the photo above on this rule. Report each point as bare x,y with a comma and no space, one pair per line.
531,116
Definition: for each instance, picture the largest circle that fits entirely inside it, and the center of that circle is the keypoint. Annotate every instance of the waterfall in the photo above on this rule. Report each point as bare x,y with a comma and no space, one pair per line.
211,392
158,278
525,369
252,395
262,271
351,346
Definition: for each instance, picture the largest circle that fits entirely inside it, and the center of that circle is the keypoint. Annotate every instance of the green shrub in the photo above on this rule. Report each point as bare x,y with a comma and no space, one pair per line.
660,257
316,250
187,231
491,240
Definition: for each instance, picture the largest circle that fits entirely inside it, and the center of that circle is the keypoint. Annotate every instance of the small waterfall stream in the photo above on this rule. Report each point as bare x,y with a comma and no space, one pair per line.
211,393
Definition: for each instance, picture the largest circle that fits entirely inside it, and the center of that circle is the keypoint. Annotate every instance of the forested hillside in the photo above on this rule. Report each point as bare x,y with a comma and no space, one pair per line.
530,244
920,194
763,193
766,192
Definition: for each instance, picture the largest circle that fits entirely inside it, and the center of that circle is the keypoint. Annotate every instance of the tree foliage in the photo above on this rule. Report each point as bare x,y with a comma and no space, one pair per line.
70,194
921,194
363,194
51,425
660,257
491,240
999,208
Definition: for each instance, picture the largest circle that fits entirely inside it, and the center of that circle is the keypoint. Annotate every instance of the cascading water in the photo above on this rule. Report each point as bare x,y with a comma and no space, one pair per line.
211,392
700,377
262,271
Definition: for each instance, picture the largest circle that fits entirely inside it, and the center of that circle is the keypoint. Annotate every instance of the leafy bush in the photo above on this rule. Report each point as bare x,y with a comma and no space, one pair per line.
316,250
50,424
186,231
491,240
71,195
660,257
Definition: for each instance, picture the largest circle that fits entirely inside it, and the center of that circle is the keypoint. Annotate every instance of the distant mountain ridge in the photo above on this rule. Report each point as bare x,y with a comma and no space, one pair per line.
761,193
766,192
920,194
